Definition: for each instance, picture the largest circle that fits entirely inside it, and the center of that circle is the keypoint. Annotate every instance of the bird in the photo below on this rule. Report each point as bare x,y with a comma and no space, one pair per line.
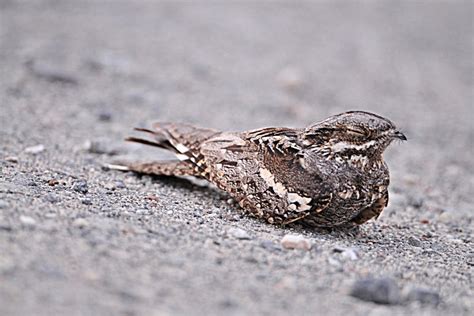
328,174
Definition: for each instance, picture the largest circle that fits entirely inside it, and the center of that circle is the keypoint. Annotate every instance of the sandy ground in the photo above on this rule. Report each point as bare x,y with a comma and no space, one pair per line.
76,76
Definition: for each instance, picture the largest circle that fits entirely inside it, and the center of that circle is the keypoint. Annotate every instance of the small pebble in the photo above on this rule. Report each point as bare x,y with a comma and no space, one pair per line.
109,186
239,233
11,159
86,201
270,245
80,186
349,253
152,197
80,223
3,204
424,296
445,217
100,148
53,182
414,241
295,242
416,201
51,72
104,116
5,227
27,220
34,150
377,290
119,184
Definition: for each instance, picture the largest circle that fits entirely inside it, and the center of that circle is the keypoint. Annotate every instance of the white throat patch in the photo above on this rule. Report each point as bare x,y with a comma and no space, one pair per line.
342,146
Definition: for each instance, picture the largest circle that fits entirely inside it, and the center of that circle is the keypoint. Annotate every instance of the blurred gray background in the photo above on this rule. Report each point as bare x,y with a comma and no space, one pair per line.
76,76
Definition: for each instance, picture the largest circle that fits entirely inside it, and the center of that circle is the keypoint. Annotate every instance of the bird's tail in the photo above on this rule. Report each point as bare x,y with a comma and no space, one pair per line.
159,168
181,139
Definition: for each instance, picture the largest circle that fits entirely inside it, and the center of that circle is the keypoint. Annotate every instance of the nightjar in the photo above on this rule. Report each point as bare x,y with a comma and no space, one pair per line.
324,175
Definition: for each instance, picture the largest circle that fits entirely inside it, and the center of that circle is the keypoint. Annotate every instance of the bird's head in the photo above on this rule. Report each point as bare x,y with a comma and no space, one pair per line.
352,133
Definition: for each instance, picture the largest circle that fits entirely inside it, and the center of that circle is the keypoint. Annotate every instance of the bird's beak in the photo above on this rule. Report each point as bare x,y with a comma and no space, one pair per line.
399,135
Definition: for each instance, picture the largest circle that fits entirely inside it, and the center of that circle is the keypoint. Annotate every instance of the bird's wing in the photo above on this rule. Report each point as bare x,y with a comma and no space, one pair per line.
275,139
261,169
306,190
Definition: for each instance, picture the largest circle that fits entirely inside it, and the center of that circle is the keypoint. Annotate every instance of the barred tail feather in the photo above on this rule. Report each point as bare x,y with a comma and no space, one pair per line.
165,168
159,168
182,139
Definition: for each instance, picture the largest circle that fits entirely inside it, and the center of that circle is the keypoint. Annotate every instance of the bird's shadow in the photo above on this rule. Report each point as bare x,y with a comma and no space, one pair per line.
347,231
179,183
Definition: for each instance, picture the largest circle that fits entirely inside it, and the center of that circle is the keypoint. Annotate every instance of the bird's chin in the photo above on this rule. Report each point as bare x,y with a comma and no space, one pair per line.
384,144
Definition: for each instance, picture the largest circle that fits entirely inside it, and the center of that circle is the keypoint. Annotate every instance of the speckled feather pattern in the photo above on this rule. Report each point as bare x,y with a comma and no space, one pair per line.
325,175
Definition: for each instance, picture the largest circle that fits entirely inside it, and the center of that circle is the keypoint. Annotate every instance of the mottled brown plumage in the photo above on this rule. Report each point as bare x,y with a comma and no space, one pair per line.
327,174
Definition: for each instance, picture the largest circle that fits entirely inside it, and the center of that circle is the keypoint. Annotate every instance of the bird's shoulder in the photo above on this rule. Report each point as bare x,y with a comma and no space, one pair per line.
279,140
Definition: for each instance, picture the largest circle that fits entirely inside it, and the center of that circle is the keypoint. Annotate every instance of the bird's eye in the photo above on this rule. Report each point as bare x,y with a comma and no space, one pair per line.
356,131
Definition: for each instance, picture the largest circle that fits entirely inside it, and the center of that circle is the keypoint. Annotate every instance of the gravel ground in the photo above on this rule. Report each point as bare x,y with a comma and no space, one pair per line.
79,240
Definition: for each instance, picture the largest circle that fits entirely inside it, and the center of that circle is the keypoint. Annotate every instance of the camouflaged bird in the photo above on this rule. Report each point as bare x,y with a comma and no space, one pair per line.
325,175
